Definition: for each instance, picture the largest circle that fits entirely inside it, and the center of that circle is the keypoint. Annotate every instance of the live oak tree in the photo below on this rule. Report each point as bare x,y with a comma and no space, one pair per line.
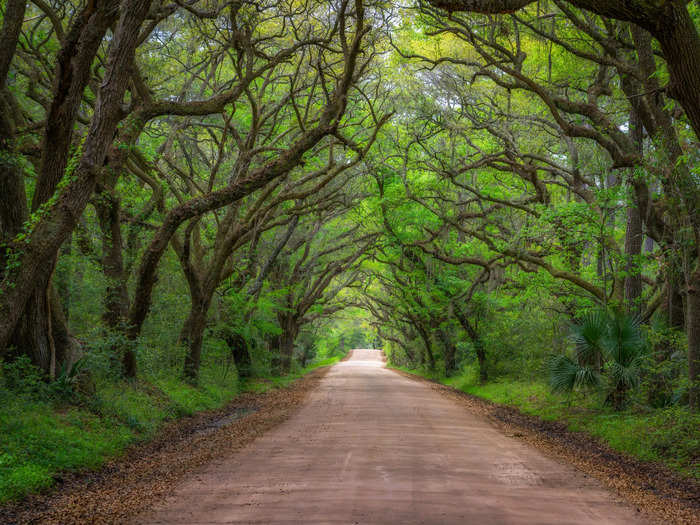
576,115
31,319
447,166
103,151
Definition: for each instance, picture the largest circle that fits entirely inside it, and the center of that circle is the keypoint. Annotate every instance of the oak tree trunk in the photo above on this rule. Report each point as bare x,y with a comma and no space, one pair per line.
693,332
37,254
286,341
633,233
116,300
240,353
450,352
192,336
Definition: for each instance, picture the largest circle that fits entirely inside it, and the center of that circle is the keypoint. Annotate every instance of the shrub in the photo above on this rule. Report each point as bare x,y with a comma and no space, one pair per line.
609,349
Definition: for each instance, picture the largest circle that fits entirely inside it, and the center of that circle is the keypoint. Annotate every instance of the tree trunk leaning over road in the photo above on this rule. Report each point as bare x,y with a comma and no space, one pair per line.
44,241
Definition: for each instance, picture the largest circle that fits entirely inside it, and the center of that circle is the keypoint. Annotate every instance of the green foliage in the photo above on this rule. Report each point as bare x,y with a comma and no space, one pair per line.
608,345
39,442
22,378
566,375
42,436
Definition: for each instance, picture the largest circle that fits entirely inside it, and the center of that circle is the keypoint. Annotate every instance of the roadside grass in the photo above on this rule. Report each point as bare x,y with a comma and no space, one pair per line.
41,438
265,382
668,435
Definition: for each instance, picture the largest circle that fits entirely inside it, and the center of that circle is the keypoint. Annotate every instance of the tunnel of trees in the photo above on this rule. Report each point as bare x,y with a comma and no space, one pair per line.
193,187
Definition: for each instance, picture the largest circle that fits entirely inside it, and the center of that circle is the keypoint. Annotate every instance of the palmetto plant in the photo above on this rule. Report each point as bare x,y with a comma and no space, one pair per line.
608,352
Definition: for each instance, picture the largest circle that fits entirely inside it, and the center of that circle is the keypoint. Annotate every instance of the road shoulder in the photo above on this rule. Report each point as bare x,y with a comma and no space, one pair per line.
658,493
129,485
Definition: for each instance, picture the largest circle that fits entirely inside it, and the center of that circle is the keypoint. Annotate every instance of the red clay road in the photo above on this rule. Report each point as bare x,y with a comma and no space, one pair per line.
372,446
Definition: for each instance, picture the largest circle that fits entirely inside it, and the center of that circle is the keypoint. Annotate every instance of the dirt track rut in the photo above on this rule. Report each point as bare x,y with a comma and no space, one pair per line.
371,446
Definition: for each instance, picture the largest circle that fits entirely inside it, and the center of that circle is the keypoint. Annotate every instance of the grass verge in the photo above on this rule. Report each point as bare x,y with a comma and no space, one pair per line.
667,435
40,438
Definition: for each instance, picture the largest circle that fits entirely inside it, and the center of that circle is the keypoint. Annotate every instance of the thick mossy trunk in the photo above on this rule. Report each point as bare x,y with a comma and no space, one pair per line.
42,333
116,300
450,351
240,353
192,336
41,247
286,343
680,44
634,235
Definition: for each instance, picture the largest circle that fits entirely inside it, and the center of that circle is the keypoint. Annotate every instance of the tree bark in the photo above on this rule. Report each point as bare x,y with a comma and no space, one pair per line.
53,228
290,329
450,352
9,36
64,278
680,44
633,234
693,331
633,249
674,300
71,76
42,331
43,319
192,336
13,199
240,353
13,203
116,300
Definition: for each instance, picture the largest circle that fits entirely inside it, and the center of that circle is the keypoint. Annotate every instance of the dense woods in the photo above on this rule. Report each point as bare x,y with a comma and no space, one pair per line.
199,193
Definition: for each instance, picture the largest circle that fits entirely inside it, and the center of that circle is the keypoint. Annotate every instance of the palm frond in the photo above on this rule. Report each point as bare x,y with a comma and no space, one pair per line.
612,339
588,336
624,342
566,375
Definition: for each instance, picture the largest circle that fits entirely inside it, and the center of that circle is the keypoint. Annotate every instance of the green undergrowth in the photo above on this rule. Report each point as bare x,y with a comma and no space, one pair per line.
43,436
668,435
263,383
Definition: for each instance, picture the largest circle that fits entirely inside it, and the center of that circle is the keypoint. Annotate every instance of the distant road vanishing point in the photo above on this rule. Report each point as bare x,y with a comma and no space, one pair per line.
372,446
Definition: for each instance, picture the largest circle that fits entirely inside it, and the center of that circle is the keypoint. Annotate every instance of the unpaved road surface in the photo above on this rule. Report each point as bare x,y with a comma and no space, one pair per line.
371,446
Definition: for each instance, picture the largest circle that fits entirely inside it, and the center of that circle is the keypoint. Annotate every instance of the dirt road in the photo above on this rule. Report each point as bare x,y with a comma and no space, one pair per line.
371,446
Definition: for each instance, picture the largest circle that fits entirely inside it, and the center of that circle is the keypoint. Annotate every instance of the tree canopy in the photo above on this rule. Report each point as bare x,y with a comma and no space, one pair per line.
458,181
